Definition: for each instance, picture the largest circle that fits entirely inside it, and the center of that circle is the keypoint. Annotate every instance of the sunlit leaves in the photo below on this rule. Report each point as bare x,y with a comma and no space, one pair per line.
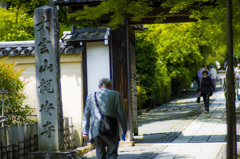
10,30
179,51
117,10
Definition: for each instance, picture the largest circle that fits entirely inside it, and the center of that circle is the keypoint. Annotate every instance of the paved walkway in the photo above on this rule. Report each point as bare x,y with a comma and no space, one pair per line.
203,138
180,130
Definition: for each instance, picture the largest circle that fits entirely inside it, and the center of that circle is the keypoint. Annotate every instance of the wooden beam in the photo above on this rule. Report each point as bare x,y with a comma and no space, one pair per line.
174,19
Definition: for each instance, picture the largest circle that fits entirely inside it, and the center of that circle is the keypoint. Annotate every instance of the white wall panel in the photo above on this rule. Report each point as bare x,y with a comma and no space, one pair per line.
98,64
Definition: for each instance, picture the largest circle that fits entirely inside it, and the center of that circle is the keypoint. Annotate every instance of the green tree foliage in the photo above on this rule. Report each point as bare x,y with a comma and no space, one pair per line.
10,30
10,80
138,9
152,80
219,55
212,17
17,22
27,5
19,18
118,9
210,13
168,57
179,52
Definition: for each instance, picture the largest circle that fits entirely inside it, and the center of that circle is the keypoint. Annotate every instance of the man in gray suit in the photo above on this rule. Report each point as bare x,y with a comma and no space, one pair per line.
110,104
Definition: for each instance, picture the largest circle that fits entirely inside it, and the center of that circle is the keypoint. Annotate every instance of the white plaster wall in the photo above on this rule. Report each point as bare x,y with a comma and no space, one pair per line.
71,85
72,93
98,64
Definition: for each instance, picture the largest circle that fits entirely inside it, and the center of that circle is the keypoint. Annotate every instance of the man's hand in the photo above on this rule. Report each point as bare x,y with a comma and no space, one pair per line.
199,93
85,135
123,135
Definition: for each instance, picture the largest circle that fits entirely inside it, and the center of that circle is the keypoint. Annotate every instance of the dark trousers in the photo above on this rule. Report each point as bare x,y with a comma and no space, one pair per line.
206,102
214,83
199,84
101,142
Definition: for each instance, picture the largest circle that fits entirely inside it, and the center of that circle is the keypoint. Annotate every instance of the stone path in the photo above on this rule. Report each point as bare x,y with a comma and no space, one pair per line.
203,138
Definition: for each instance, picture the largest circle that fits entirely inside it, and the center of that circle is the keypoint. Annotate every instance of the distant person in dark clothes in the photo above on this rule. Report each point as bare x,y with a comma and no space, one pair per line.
199,80
206,89
199,74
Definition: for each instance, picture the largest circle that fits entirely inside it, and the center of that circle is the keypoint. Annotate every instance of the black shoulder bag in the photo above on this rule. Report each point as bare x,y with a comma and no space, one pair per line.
108,125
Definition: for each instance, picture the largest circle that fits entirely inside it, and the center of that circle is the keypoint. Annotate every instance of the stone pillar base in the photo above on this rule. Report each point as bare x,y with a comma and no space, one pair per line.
52,155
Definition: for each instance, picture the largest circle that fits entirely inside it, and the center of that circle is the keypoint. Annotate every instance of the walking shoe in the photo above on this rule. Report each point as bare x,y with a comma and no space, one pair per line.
206,112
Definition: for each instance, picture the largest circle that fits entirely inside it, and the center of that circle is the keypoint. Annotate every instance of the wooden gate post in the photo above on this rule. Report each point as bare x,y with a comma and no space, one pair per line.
230,94
120,70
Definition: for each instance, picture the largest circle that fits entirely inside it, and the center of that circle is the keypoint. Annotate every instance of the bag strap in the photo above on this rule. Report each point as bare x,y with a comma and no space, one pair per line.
95,96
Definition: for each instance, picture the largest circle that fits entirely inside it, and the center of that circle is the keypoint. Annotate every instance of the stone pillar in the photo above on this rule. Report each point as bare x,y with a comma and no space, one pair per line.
50,115
47,65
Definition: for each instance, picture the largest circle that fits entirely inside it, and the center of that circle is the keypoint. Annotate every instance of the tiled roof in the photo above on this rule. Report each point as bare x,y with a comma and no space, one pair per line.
87,34
74,1
24,48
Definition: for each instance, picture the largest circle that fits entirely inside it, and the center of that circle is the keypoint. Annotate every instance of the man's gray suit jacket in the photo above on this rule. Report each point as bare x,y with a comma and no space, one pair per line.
110,103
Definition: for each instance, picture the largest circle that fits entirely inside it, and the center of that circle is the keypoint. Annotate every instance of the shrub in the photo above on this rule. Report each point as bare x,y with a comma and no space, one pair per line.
141,97
152,75
10,80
